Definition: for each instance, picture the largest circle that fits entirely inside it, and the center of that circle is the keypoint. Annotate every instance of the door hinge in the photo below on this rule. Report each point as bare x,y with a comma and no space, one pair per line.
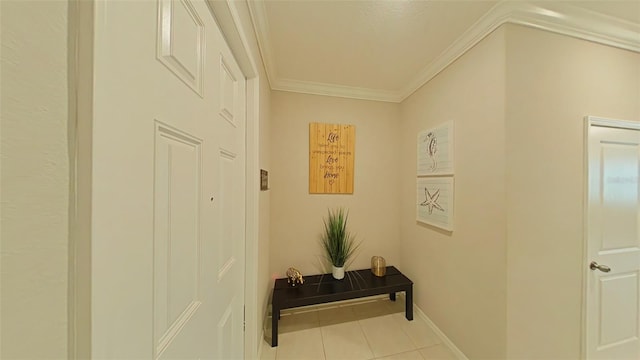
244,318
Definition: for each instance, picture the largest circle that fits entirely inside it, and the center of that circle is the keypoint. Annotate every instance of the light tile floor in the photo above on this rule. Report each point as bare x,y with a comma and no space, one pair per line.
375,329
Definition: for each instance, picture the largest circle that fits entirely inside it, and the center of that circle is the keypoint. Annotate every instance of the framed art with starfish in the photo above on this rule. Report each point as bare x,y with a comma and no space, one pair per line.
434,201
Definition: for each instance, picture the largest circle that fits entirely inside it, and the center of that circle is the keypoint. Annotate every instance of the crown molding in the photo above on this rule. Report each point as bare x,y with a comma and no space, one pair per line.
580,23
560,18
554,17
494,18
315,88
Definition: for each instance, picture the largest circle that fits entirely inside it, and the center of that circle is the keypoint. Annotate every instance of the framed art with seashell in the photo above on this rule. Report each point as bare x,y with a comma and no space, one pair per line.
435,150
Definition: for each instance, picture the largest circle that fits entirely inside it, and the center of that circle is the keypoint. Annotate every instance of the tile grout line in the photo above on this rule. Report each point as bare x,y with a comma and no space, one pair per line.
402,328
406,352
324,352
365,339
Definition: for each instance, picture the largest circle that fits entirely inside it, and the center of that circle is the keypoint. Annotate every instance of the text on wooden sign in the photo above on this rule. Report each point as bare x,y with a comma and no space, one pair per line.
331,158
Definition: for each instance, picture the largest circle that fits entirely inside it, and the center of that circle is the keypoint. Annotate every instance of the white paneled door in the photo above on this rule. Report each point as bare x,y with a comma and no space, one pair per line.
613,240
168,184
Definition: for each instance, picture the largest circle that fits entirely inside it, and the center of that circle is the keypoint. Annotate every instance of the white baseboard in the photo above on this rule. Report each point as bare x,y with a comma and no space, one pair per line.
445,340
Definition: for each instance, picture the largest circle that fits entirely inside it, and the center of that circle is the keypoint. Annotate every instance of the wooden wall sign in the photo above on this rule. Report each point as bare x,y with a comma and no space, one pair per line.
331,154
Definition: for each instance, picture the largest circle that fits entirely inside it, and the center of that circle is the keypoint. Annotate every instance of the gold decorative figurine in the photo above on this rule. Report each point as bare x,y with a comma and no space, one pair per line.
294,277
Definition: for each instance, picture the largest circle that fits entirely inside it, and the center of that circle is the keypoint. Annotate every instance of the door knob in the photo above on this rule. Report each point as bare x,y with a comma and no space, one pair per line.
594,265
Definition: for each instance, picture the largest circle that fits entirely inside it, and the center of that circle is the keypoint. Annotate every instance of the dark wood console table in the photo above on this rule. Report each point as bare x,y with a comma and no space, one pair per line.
320,289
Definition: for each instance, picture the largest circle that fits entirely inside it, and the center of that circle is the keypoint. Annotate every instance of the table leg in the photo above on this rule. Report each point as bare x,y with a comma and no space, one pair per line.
392,296
275,315
409,303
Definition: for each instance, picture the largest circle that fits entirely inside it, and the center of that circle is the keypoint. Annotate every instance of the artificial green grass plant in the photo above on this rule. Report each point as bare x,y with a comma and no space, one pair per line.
337,241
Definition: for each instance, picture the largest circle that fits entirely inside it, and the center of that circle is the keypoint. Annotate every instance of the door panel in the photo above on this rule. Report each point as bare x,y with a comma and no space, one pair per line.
619,193
181,41
619,312
177,256
169,184
613,298
226,331
226,252
228,92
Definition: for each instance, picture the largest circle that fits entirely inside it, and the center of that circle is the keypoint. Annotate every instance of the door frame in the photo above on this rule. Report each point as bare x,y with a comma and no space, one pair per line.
230,17
590,121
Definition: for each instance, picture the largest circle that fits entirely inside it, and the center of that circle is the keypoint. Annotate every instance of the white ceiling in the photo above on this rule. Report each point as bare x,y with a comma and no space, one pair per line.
385,50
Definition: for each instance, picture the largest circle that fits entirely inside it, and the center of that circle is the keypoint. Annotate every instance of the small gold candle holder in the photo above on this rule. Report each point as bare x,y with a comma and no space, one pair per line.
378,266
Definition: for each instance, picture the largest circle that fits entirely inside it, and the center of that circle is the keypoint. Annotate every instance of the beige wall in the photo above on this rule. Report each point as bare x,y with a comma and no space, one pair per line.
296,215
35,180
460,276
514,263
553,81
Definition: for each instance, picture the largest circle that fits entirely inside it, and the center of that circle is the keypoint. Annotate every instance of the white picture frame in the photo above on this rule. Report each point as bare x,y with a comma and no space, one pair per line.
434,201
435,150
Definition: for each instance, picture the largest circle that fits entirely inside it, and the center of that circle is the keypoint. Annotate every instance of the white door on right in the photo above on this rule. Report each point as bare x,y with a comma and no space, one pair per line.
613,240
